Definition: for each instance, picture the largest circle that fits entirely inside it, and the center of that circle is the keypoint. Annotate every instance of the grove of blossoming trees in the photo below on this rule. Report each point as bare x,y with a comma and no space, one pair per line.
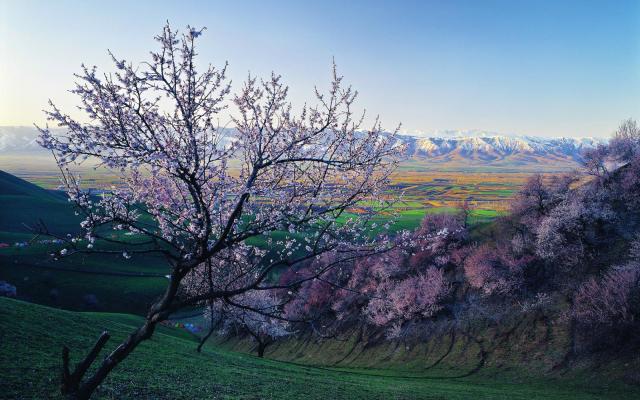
582,235
569,239
389,291
155,123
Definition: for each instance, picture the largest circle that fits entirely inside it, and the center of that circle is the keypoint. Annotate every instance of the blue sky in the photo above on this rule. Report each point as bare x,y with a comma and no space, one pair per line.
531,67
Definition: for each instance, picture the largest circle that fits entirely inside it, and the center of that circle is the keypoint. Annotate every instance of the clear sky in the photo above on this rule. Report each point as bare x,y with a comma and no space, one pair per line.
531,67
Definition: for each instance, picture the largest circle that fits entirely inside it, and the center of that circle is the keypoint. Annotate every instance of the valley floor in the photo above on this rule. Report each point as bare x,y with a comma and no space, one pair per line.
168,367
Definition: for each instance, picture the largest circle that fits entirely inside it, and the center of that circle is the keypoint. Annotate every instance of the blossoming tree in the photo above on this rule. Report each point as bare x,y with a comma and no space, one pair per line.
256,313
198,193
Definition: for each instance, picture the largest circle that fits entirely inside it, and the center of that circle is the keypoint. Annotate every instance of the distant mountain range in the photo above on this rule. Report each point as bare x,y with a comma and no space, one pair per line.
492,149
455,149
18,139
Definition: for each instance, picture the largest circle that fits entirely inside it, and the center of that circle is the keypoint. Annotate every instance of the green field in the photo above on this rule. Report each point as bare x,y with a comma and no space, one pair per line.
129,286
422,188
168,367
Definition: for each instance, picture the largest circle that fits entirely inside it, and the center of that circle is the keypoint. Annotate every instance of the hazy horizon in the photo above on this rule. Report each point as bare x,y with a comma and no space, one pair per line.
440,133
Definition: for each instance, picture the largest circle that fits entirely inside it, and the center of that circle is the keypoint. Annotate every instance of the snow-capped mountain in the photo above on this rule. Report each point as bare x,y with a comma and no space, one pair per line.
497,147
449,148
18,139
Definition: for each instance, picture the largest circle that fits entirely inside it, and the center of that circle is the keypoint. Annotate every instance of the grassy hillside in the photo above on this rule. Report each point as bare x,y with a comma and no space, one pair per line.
117,285
525,347
167,367
23,203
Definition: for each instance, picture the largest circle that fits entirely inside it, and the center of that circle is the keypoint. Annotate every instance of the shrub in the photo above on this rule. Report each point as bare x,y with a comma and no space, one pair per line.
495,270
614,299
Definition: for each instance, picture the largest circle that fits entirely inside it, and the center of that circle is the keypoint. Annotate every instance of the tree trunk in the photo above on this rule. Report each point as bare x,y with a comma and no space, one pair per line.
212,326
204,339
71,381
73,387
78,390
261,347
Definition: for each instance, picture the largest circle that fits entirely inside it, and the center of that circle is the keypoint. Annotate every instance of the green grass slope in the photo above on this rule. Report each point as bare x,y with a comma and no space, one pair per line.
23,203
119,285
167,367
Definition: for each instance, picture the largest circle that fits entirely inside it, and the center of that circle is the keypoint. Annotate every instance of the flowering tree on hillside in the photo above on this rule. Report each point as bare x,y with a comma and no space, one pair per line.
625,144
297,173
538,197
313,299
495,270
612,299
570,232
408,283
256,313
415,297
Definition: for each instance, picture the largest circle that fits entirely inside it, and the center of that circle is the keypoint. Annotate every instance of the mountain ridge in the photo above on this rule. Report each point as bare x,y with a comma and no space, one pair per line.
498,147
444,147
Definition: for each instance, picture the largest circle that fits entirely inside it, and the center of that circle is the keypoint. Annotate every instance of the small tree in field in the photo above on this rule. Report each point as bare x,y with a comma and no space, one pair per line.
465,209
256,313
297,173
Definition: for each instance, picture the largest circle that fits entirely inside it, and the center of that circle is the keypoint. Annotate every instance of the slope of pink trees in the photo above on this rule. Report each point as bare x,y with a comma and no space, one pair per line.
559,242
404,284
559,231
